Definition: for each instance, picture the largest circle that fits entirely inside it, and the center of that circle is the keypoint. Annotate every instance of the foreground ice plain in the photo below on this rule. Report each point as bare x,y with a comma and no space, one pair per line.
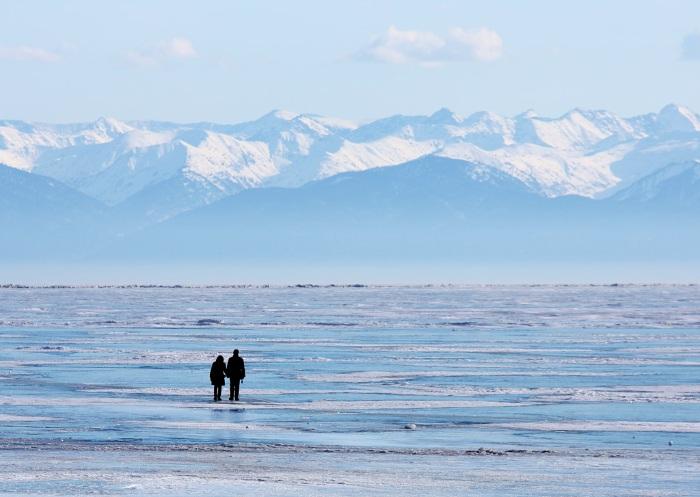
512,391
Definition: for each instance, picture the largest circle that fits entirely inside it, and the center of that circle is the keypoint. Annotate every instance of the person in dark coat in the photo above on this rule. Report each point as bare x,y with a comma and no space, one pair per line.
217,375
235,369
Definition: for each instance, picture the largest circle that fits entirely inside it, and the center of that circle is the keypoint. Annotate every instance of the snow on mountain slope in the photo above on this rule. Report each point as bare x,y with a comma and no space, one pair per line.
220,159
578,129
591,153
571,131
22,143
280,121
611,124
559,155
389,151
651,154
553,172
116,170
487,130
286,133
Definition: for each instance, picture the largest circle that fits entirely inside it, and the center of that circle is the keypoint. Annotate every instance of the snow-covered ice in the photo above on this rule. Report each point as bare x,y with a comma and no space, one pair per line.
572,390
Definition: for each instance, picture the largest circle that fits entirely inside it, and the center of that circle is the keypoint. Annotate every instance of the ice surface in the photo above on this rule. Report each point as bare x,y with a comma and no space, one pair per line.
512,391
477,307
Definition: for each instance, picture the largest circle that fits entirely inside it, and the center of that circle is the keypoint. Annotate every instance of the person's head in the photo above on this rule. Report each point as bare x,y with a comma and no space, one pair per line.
235,353
220,358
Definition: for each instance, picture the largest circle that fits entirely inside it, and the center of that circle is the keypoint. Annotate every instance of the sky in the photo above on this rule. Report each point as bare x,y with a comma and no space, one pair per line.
230,61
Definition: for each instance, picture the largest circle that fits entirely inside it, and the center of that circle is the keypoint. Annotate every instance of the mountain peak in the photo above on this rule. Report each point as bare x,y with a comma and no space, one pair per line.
445,115
528,114
280,114
674,117
674,107
484,116
331,122
111,124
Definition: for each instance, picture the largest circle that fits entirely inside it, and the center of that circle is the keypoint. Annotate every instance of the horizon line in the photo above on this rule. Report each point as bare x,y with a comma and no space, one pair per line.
233,286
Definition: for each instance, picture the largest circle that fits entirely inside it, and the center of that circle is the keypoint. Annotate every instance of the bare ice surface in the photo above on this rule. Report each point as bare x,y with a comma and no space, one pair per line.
571,391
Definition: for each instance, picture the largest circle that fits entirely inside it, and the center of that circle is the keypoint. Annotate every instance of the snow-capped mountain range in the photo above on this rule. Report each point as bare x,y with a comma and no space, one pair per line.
162,169
296,190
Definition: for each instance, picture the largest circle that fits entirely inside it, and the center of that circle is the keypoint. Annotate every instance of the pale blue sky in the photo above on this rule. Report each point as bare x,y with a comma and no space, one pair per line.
231,61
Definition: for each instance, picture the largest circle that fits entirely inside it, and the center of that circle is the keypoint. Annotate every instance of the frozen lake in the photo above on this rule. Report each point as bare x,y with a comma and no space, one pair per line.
484,391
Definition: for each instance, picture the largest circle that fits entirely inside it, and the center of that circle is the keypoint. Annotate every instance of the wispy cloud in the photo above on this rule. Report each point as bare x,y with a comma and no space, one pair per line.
426,48
25,53
174,48
690,48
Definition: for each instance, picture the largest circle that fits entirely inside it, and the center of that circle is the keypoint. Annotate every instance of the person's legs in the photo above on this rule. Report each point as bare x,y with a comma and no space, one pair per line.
236,386
215,388
231,383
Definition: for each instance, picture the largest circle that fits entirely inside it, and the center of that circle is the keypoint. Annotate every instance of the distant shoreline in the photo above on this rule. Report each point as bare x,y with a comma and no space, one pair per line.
19,286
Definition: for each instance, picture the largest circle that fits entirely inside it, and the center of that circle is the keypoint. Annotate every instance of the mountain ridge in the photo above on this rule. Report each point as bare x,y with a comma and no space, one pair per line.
592,153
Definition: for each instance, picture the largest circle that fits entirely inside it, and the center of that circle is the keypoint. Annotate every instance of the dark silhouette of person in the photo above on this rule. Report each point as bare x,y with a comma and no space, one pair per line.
217,375
235,369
